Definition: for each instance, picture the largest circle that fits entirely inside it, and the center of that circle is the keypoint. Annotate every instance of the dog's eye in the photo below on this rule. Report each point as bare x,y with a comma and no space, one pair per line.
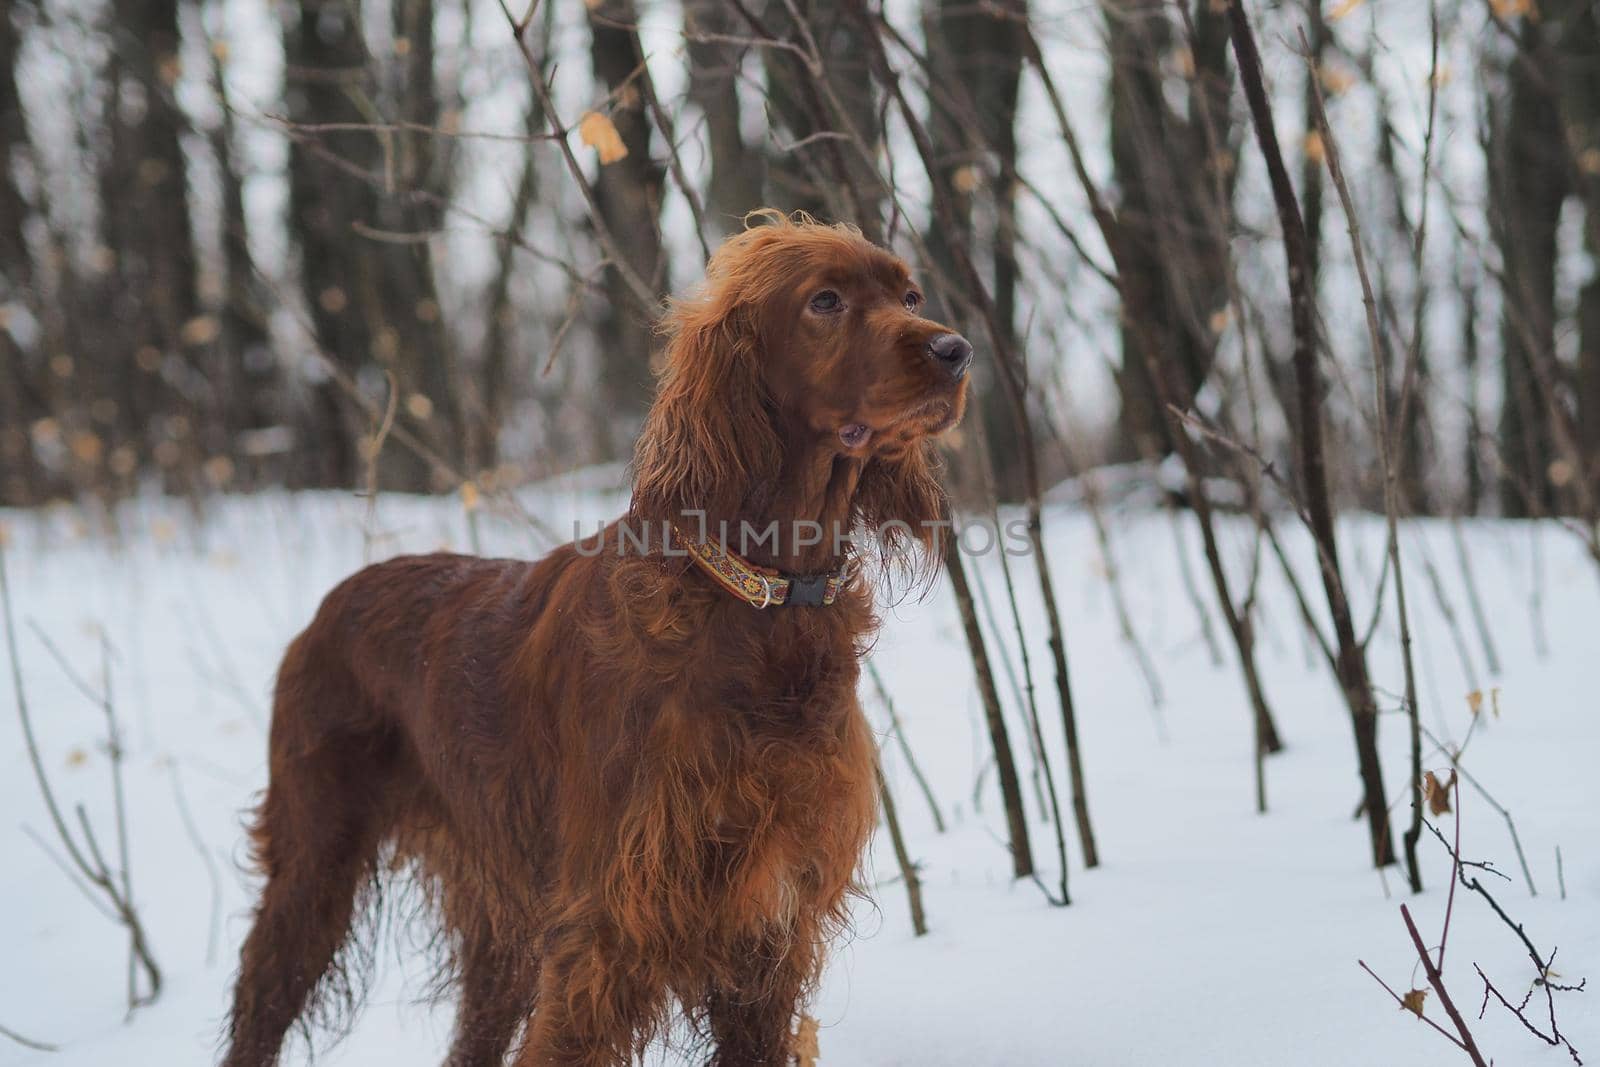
912,300
826,302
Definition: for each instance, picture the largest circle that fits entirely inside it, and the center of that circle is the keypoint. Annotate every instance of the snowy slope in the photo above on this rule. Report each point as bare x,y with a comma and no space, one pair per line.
1209,935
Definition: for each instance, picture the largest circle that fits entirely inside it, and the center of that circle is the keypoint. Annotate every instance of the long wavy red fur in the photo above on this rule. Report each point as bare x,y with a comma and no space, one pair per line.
628,796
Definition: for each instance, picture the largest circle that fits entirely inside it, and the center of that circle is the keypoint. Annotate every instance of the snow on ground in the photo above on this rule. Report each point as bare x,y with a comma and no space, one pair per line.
1209,935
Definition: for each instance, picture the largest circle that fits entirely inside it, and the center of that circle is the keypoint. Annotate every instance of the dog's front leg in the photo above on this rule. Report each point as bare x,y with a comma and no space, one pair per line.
594,1009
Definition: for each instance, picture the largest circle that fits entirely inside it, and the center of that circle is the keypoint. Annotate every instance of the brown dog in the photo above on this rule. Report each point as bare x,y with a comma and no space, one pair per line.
626,788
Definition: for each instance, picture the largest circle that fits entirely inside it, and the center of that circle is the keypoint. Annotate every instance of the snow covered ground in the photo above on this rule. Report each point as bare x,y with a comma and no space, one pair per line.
1209,935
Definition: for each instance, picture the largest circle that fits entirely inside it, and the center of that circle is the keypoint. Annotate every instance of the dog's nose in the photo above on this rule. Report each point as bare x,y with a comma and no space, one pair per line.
952,352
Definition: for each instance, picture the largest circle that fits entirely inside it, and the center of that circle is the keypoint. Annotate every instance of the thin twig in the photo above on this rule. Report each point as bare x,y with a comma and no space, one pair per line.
212,875
905,748
1436,980
27,1042
908,869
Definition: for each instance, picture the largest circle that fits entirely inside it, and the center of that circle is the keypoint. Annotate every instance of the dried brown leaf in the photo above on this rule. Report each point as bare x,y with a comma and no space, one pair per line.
1437,793
1412,1001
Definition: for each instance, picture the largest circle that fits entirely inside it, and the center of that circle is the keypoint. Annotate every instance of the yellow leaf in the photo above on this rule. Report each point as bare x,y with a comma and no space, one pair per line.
1475,701
469,496
218,471
77,758
1412,1001
1335,79
1343,8
1315,151
966,180
806,1048
87,447
332,299
599,133
1512,8
200,330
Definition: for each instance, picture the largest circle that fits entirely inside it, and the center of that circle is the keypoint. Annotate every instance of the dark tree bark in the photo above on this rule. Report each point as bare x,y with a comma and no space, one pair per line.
975,53
815,167
250,394
629,192
1169,169
1583,132
156,375
493,391
738,170
422,188
1350,659
999,739
22,482
1472,454
358,203
1528,182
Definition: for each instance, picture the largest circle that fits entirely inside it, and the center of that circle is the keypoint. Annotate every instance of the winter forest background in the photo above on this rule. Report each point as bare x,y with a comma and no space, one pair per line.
1288,320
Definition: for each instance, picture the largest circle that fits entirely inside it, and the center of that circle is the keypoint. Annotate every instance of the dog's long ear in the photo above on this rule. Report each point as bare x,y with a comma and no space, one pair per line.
709,442
900,504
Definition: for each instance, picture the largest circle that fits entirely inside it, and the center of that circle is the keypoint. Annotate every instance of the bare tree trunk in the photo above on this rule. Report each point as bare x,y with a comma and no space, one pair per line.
908,868
425,361
360,204
1528,182
813,169
629,192
738,170
1005,765
250,390
1583,129
493,390
1350,660
145,223
1175,228
977,52
23,482
1014,374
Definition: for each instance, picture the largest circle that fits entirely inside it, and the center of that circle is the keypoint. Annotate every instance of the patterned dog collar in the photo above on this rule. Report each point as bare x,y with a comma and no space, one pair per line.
761,587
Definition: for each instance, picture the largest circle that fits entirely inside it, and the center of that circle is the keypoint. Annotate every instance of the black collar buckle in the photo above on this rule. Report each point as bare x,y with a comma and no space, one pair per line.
807,590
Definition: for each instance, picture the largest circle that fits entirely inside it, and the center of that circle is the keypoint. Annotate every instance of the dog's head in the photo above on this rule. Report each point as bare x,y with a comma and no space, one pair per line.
806,340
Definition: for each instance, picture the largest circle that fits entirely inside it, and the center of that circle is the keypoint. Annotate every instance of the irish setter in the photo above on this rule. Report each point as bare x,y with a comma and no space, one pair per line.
630,785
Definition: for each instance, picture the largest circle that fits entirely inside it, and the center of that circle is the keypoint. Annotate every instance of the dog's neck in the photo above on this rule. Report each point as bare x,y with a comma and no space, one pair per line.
810,505
798,521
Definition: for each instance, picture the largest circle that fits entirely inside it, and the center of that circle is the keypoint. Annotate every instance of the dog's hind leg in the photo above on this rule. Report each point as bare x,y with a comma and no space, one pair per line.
751,1018
497,993
316,837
